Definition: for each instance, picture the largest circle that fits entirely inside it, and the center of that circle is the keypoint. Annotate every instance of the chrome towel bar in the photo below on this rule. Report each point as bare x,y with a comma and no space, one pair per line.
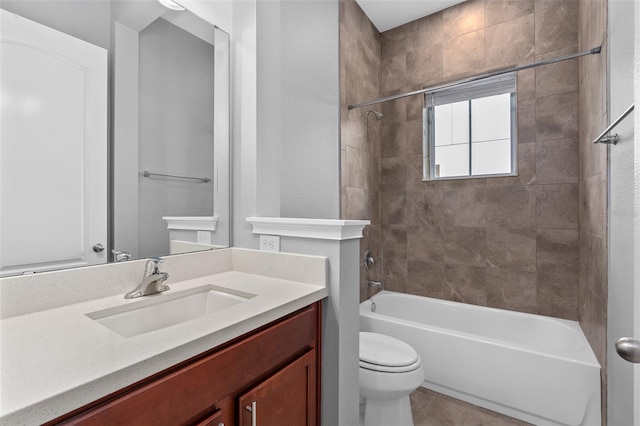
613,139
147,174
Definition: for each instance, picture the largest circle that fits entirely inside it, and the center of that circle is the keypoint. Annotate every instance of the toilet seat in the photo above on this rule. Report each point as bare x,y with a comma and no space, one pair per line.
379,352
387,369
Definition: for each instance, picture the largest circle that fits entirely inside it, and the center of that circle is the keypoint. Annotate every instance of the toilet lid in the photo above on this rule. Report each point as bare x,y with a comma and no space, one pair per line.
383,350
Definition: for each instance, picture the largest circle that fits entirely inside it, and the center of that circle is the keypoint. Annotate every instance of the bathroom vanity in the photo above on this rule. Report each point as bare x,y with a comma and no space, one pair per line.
273,371
64,363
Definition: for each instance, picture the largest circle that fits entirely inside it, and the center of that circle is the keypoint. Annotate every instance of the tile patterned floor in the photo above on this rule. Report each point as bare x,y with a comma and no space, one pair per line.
434,409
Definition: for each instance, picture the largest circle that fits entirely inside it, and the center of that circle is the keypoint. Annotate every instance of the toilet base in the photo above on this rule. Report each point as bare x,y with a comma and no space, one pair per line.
387,412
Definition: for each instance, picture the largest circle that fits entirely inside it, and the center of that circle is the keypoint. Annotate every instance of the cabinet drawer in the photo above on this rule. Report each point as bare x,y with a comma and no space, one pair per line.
185,395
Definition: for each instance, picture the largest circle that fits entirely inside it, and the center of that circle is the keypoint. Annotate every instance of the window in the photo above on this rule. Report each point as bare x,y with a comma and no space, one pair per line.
470,129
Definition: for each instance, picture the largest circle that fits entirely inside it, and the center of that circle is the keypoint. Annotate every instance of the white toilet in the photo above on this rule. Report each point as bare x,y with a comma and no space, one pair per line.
390,370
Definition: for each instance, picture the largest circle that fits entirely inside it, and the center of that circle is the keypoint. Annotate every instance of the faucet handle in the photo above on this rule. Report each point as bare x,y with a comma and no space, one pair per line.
153,265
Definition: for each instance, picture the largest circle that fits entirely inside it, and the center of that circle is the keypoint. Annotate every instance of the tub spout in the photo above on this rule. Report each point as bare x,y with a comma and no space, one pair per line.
371,283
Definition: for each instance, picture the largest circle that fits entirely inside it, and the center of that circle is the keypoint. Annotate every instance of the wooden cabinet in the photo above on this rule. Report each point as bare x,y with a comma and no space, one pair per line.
276,368
286,398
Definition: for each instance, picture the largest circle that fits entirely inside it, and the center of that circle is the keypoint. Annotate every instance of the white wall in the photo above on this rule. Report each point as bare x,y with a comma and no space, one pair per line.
244,137
623,250
636,197
288,164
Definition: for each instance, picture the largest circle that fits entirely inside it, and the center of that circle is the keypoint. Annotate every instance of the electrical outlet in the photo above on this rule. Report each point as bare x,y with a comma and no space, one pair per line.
203,237
270,242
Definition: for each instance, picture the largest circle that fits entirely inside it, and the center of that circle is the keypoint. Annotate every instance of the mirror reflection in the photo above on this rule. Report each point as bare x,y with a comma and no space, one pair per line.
114,136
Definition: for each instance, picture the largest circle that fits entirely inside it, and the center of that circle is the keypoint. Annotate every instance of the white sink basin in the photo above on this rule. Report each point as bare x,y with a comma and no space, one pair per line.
164,310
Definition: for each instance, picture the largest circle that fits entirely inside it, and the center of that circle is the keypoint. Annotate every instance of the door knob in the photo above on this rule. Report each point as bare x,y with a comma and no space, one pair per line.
629,349
98,248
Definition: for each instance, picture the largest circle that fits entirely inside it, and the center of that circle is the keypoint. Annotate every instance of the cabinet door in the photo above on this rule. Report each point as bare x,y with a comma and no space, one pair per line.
286,398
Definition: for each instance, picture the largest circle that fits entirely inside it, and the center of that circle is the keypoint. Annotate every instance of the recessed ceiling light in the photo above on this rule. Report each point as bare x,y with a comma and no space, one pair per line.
171,4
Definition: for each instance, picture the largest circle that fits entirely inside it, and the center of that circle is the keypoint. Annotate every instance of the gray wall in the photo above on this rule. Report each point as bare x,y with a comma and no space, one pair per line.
295,172
176,130
622,280
310,151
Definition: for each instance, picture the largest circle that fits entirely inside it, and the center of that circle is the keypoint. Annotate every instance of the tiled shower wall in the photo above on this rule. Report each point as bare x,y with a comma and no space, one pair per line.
533,243
360,133
511,242
593,181
504,242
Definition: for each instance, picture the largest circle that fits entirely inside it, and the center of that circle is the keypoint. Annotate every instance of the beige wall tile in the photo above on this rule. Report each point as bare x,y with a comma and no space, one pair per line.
355,205
394,174
498,11
557,295
465,206
394,207
415,104
511,41
511,206
557,206
395,273
414,137
425,243
558,251
393,42
425,66
557,26
357,162
511,289
557,161
557,116
464,18
425,278
463,54
393,74
512,248
393,139
425,32
465,246
526,121
561,77
465,283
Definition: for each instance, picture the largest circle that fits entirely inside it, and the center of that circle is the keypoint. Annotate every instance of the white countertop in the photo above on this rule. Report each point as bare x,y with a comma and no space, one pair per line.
55,360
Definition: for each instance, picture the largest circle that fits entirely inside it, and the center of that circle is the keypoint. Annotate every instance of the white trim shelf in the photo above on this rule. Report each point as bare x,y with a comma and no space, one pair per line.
191,223
325,229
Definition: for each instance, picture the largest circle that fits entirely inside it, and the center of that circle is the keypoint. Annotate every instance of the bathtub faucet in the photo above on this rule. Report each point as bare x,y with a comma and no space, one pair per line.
371,283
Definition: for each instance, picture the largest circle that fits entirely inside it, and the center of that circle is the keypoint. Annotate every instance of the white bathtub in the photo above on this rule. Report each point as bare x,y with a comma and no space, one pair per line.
534,368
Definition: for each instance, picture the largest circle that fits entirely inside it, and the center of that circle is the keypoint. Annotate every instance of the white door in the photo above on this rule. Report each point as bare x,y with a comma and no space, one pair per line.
53,148
623,318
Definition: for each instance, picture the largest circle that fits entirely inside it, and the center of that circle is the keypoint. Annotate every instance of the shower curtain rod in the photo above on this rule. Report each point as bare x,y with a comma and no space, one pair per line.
593,51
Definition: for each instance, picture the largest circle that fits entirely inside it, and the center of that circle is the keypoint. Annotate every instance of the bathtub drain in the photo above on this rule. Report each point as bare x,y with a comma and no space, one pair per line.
373,306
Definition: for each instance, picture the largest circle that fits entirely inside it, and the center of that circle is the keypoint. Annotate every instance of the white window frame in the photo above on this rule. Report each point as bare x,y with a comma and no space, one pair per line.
491,86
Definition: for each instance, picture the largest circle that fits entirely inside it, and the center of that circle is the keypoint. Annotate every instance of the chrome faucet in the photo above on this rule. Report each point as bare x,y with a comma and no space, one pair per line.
371,283
152,281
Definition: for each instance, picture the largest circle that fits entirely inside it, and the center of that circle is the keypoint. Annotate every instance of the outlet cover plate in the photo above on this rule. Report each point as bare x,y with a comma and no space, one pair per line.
270,242
203,237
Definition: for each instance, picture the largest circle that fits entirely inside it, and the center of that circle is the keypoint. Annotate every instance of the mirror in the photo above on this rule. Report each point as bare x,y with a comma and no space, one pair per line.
115,133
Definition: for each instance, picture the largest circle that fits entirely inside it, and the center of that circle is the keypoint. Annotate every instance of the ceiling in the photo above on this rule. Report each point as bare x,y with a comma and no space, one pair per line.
388,14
